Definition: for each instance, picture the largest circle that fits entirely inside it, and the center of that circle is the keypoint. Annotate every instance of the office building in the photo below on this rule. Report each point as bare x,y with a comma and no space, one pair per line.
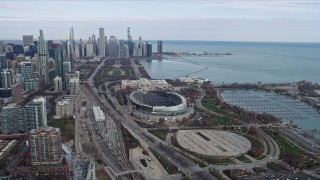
6,78
57,84
43,58
89,50
1,46
113,47
18,49
130,43
59,62
46,151
8,48
64,108
121,48
159,47
12,119
94,43
126,51
36,113
26,70
102,52
74,86
3,62
27,40
149,49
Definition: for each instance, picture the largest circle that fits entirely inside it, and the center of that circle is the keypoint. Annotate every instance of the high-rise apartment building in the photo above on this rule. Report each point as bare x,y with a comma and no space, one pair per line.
26,70
45,146
74,86
64,109
36,113
58,85
102,52
43,58
159,47
6,78
12,119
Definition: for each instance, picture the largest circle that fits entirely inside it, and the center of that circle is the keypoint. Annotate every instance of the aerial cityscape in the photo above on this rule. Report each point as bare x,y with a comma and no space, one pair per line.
106,90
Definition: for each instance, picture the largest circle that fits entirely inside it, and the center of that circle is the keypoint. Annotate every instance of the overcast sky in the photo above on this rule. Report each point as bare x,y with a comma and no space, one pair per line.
222,20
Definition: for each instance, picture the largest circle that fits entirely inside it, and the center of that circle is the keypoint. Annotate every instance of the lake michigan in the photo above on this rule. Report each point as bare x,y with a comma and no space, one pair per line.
252,62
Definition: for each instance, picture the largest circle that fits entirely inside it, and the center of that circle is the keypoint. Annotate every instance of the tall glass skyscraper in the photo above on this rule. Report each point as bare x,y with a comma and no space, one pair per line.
59,63
43,58
102,52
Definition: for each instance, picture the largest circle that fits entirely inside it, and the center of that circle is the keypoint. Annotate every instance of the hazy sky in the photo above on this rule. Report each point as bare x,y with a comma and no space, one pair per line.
229,20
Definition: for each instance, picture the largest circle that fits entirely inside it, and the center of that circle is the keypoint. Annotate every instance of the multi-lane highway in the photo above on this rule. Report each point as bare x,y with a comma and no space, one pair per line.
120,116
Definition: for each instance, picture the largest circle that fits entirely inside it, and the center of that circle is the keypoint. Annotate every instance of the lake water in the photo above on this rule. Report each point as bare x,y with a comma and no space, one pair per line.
252,62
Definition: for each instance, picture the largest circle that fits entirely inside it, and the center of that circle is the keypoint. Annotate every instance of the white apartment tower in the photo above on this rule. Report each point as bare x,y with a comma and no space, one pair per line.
74,86
57,84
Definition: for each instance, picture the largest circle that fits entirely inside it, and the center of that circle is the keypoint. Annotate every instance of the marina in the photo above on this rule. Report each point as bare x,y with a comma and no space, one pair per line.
287,109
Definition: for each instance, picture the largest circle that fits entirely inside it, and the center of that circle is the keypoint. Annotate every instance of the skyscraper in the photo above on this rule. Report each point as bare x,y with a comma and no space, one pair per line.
113,47
121,48
59,62
102,52
71,48
159,47
149,49
36,113
27,40
6,78
43,58
94,42
130,43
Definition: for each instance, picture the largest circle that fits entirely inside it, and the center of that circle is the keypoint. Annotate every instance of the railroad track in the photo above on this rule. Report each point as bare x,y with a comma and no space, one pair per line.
115,159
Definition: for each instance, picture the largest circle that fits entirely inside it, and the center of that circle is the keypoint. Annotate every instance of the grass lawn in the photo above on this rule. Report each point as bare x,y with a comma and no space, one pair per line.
276,166
160,133
111,72
168,166
261,157
214,160
288,146
210,105
144,124
194,160
243,159
67,128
